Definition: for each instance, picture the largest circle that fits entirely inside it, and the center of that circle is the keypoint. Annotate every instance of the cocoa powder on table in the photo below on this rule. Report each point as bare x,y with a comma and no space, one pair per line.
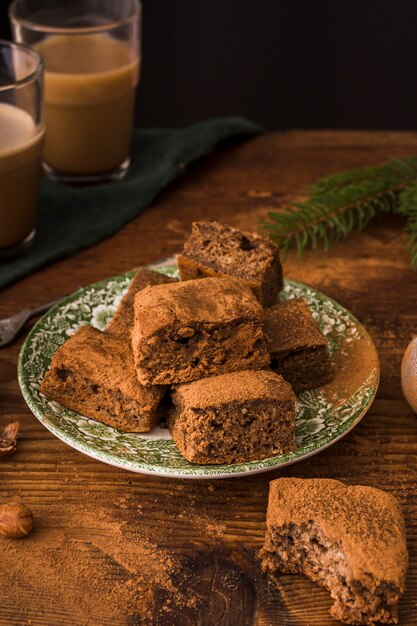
83,563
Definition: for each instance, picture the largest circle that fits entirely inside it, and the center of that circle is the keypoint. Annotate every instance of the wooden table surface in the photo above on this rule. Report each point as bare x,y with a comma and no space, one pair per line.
113,547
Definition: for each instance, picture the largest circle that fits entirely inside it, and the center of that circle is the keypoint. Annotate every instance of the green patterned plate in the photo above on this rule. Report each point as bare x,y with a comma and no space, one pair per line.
323,416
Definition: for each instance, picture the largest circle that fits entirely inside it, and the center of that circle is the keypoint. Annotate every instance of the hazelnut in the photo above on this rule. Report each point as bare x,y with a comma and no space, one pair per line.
15,520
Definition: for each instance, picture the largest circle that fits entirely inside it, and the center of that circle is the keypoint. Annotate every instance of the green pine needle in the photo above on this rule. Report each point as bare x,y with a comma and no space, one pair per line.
407,206
344,203
403,169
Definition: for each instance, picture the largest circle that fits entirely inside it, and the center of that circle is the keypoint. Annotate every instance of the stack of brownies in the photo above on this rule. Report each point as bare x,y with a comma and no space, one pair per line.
217,344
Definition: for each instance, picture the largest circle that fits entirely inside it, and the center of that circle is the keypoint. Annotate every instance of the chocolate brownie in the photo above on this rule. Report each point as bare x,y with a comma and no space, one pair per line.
215,249
299,350
198,328
349,539
236,417
122,322
93,373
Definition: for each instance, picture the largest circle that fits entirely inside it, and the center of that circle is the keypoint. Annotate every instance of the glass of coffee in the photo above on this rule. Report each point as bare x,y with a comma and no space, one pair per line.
91,51
21,138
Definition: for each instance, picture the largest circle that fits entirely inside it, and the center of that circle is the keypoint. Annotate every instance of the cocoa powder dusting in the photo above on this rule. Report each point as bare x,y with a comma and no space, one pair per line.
96,565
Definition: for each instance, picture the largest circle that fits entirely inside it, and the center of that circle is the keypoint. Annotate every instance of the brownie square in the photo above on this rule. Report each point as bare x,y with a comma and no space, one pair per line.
298,348
349,539
215,249
189,330
122,322
93,373
236,417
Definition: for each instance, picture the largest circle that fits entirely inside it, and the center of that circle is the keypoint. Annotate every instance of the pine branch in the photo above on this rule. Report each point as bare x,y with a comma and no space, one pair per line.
407,206
404,169
340,204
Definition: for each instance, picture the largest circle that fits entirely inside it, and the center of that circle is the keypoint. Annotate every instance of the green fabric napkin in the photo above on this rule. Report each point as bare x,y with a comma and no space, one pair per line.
73,218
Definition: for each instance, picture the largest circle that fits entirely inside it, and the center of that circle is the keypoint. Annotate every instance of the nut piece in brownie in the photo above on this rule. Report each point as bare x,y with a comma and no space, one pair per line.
298,348
349,539
236,417
198,328
93,373
215,249
122,322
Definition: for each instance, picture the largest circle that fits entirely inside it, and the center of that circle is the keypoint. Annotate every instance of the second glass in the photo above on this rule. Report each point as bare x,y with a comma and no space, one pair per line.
91,52
21,138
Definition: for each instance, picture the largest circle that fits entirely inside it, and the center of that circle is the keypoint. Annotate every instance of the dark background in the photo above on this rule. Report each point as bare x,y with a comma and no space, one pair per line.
283,63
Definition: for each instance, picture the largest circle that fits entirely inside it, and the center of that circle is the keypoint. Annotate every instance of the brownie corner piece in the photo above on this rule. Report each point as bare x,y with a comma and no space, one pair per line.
349,539
93,373
299,351
215,249
122,321
236,417
197,328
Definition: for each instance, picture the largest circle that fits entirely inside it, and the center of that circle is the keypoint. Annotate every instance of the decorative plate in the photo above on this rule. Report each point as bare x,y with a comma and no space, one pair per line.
322,416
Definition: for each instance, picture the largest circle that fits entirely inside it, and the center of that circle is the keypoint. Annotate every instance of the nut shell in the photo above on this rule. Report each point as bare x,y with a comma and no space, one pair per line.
16,520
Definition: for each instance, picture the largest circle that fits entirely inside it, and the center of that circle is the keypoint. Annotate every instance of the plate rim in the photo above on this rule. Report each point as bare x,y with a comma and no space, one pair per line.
226,471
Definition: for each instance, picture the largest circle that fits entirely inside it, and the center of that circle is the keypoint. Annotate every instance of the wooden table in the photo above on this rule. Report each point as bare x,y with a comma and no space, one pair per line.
103,535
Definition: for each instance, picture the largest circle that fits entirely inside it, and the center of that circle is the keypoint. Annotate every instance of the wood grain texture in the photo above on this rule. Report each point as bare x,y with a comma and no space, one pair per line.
208,531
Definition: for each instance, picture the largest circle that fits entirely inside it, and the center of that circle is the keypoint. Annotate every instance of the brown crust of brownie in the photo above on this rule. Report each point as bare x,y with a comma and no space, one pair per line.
190,269
290,326
198,328
235,386
367,523
298,348
215,249
93,373
122,322
210,300
235,417
305,369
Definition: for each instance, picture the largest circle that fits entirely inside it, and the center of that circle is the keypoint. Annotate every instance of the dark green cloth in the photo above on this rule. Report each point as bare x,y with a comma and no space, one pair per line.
73,218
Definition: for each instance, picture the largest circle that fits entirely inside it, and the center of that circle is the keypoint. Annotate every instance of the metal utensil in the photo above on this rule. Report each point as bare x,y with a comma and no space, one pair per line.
11,326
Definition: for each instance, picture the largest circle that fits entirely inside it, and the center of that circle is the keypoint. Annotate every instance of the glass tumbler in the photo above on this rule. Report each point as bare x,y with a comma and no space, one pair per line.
21,138
91,51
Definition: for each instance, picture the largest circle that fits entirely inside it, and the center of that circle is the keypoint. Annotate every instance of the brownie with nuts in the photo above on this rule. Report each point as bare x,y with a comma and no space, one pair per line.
235,417
122,322
197,328
93,373
299,350
214,249
349,539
